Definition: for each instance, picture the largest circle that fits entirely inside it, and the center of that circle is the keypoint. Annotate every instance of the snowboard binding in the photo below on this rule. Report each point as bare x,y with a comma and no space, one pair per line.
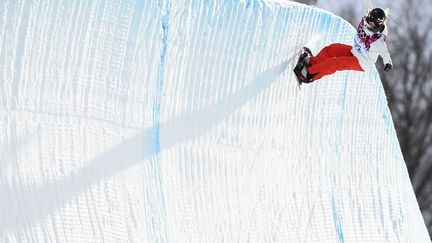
300,70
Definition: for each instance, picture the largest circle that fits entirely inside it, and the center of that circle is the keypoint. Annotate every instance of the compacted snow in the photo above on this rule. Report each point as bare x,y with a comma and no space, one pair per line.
181,121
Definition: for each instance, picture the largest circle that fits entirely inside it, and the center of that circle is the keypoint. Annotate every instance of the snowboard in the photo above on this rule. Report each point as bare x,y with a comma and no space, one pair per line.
300,70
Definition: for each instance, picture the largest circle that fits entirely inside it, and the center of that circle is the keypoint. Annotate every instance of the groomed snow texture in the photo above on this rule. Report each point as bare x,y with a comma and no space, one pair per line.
181,121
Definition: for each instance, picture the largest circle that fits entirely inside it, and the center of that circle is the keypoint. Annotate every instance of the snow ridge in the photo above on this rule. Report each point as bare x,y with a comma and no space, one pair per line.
181,121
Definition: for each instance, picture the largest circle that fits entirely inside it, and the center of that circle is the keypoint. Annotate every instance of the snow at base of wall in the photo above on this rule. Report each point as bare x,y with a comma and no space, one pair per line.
181,121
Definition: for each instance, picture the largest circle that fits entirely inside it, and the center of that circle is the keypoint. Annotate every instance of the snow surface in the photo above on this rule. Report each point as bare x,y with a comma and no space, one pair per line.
181,121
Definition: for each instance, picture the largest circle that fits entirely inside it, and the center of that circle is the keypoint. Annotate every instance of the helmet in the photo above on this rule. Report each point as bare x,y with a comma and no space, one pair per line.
376,17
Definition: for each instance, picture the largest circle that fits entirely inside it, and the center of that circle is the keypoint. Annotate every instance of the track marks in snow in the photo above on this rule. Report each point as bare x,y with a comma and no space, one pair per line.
181,121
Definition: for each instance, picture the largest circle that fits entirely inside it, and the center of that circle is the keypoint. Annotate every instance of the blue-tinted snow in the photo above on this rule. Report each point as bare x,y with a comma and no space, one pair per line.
181,121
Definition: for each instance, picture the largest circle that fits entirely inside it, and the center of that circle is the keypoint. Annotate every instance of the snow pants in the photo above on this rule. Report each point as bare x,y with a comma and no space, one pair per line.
332,58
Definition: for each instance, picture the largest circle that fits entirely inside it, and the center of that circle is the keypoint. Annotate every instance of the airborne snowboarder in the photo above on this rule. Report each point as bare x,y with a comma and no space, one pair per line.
369,43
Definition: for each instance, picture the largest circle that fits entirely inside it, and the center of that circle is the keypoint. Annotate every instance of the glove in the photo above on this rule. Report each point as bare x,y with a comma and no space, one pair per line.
388,67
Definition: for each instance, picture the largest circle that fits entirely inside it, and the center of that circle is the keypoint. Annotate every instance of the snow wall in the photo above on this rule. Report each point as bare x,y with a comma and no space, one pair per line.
181,121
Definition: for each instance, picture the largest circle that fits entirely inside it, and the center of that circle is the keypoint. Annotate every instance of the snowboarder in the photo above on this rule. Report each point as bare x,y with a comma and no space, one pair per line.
369,42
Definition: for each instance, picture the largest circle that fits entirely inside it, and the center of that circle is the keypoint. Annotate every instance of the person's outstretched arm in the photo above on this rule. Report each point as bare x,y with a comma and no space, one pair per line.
385,54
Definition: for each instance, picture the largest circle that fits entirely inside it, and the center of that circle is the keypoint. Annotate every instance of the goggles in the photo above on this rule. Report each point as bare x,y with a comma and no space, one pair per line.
374,22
